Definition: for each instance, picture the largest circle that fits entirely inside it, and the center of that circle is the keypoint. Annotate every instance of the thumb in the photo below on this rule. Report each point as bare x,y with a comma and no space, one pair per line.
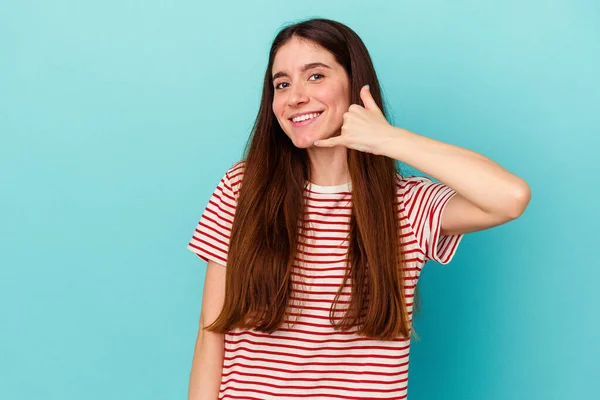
367,99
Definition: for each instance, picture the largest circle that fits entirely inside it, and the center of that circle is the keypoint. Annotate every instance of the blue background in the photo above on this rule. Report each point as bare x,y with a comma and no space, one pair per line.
118,118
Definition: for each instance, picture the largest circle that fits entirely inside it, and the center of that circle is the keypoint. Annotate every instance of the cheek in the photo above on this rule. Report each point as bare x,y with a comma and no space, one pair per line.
336,99
279,109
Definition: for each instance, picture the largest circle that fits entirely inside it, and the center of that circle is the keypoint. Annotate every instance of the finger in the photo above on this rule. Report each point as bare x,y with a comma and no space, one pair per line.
367,99
331,142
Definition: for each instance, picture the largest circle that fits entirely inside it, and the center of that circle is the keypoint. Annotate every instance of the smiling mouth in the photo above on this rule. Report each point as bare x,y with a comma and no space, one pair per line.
306,122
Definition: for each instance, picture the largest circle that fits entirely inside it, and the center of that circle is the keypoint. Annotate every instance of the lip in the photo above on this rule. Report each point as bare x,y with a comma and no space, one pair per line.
307,122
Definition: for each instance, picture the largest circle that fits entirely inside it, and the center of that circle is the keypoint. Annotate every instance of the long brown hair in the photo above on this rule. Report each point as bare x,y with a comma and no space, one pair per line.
271,209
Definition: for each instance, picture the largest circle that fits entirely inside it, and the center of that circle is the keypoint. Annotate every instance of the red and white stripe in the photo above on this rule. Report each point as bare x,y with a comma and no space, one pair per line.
306,358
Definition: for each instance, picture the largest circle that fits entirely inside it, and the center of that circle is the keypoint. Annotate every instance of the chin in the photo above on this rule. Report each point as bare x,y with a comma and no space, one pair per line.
303,143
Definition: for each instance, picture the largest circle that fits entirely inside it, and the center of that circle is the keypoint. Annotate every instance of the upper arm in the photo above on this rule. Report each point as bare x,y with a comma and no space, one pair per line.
214,293
421,205
210,239
462,216
209,353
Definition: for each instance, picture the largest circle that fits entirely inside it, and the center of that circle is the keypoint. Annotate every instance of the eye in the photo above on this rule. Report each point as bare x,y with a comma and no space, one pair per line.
278,86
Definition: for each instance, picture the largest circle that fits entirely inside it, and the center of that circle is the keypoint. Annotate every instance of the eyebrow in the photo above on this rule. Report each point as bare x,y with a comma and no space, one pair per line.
304,68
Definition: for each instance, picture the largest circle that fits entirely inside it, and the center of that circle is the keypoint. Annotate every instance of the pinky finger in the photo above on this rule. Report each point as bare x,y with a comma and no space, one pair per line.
326,142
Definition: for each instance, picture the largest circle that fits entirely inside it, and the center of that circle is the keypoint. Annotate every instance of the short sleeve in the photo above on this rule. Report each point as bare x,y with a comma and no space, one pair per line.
210,240
424,202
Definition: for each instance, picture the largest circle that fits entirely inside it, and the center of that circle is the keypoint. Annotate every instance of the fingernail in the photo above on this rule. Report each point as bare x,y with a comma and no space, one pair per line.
316,142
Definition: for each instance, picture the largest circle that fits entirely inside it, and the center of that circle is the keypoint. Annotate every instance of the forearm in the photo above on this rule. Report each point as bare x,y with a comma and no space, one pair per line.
207,366
477,178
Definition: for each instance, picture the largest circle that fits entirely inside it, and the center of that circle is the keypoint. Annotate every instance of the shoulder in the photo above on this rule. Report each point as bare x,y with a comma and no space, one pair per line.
419,195
236,171
411,179
234,176
408,185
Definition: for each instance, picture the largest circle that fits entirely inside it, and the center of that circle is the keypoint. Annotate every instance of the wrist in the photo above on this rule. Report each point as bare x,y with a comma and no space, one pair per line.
390,140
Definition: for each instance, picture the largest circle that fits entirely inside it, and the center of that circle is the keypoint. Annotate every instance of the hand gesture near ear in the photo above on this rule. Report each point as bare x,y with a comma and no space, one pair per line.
364,129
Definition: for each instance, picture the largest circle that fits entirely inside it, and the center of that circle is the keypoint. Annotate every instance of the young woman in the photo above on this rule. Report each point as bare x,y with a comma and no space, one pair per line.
315,241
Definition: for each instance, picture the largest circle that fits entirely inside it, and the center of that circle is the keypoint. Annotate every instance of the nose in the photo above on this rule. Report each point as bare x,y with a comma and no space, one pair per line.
298,95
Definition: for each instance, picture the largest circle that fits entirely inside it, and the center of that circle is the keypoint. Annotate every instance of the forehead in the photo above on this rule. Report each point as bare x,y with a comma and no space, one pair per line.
298,52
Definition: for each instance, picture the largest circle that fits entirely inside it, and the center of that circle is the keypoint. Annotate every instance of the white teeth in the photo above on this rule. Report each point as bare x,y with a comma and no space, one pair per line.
305,117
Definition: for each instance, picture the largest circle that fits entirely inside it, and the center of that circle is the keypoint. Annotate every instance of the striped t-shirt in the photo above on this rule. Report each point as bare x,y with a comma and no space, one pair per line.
309,359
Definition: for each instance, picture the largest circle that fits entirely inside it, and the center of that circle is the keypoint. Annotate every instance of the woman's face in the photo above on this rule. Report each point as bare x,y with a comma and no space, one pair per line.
309,82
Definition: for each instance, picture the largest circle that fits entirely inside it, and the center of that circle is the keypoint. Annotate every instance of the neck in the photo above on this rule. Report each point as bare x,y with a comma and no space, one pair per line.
329,166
